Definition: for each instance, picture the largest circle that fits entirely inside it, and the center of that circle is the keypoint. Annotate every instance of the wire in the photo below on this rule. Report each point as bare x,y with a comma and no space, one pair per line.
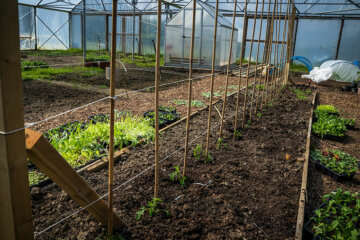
128,181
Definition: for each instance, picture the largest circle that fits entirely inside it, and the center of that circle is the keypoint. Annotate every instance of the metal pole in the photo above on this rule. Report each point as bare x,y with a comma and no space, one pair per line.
228,71
189,87
133,32
212,77
84,30
35,27
339,38
157,79
112,106
240,65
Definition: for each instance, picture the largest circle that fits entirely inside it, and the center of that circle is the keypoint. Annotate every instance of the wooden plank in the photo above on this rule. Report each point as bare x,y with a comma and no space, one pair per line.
50,162
15,207
302,200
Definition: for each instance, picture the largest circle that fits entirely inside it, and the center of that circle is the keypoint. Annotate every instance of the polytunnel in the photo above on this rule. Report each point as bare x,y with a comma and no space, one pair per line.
178,37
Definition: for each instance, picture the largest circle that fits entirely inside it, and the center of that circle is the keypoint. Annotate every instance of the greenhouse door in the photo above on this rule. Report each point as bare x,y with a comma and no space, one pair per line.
187,28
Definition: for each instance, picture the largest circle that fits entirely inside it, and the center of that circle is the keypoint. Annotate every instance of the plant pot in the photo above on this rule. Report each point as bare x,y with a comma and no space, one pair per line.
103,64
329,172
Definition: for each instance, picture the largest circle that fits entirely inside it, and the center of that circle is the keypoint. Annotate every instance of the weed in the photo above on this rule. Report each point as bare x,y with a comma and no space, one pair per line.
177,176
152,208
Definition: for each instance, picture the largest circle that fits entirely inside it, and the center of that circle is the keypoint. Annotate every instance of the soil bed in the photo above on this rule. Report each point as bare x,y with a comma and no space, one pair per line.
249,191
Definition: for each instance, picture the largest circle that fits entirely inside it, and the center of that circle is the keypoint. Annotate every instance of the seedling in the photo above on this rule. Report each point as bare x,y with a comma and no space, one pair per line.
194,103
198,151
269,105
208,158
260,87
259,115
238,135
177,176
220,143
152,207
325,109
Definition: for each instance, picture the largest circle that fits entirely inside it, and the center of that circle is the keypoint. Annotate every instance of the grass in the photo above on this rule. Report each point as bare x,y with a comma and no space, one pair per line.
50,73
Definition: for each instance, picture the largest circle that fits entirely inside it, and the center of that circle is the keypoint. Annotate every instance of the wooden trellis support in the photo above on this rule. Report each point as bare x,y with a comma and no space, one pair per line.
49,161
15,207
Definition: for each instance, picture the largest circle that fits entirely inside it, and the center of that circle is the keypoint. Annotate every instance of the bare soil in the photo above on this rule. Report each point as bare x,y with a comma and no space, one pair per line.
250,191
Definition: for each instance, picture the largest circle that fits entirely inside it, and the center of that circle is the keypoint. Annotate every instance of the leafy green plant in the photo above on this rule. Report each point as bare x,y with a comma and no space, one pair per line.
208,158
36,177
260,87
220,143
300,94
238,134
259,115
339,217
28,64
176,176
152,208
325,109
336,160
329,125
198,151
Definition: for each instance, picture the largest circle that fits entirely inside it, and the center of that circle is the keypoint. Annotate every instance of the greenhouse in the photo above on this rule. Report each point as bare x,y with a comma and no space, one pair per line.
178,33
179,119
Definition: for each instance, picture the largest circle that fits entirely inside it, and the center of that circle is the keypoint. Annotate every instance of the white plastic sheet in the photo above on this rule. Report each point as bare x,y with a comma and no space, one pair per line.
338,70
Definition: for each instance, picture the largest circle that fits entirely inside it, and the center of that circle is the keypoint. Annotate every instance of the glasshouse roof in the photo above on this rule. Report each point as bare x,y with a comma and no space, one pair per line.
304,7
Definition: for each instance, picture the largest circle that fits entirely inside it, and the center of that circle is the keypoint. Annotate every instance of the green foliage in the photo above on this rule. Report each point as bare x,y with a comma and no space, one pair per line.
220,143
208,158
259,115
300,94
298,68
339,217
152,207
234,87
329,125
97,57
216,94
176,176
260,87
36,177
198,151
269,105
336,160
83,145
28,64
194,103
238,134
51,73
325,109
328,122
166,115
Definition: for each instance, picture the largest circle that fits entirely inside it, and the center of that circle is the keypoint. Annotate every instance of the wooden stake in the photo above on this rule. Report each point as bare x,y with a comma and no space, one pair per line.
266,43
112,106
240,66
248,68
157,78
267,77
189,87
228,71
15,207
257,59
212,77
50,162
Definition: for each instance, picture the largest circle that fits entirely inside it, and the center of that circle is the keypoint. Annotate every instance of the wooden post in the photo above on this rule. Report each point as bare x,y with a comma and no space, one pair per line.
248,67
266,43
212,77
15,207
228,71
189,87
257,59
289,43
244,35
107,33
157,79
50,162
240,65
112,106
277,33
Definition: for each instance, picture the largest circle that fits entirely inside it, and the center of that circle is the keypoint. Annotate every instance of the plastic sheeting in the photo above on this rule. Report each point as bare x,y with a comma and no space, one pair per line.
338,70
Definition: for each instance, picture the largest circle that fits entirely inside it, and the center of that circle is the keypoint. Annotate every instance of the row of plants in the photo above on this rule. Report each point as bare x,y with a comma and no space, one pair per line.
335,163
337,218
167,115
79,142
194,103
329,124
28,64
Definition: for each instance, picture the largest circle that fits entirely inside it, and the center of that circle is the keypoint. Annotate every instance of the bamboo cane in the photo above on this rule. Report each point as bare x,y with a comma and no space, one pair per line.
228,71
248,68
240,66
157,78
112,106
275,54
264,58
189,87
257,59
212,77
